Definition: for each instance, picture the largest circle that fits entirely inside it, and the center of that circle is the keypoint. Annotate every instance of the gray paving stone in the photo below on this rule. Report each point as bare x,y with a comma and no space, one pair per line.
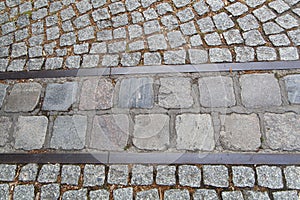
185,15
253,38
98,3
8,40
215,5
82,21
215,175
98,48
28,172
244,54
35,64
220,55
4,191
24,97
75,194
24,192
120,20
70,174
52,33
67,39
12,3
164,8
137,45
67,26
21,34
189,176
53,63
194,132
60,96
8,28
175,39
16,65
67,2
73,62
40,3
132,4
118,174
147,194
291,2
99,195
260,90
137,17
3,64
201,194
292,174
19,49
135,31
55,6
90,61
5,125
131,59
27,137
195,41
110,132
117,47
223,21
83,6
288,53
36,51
169,21
177,194
87,33
151,27
228,195
48,48
4,52
49,173
285,195
279,6
212,39
295,36
206,25
61,52
142,175
25,7
181,3
165,175
94,175
266,53
264,14
37,28
253,195
269,176
287,21
248,22
100,14
280,40
104,35
110,60
175,57
243,176
3,88
81,48
188,28
152,58
237,8
150,14
5,18
282,131
175,93
39,14
7,172
117,7
151,131
292,84
233,36
104,24
254,3
123,193
200,7
119,33
50,191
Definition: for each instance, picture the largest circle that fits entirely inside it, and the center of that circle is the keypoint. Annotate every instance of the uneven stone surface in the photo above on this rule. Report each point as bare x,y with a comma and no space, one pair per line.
49,173
292,84
29,172
215,175
142,175
189,176
118,174
93,175
243,176
270,177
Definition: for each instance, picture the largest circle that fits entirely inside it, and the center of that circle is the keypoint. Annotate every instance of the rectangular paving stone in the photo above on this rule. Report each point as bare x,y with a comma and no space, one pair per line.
142,175
215,175
118,174
28,172
19,49
243,176
291,195
16,65
101,193
90,61
292,177
151,132
117,47
73,62
54,63
49,173
94,175
24,97
4,191
22,191
292,85
131,59
123,193
3,88
165,175
252,195
220,55
157,42
7,172
194,132
260,90
201,194
70,174
152,58
175,57
110,132
147,194
30,132
73,194
136,93
35,63
189,176
269,176
50,191
177,194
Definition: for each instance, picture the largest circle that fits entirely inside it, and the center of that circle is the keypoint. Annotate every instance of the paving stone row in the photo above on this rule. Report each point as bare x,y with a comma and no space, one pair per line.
212,112
55,181
87,33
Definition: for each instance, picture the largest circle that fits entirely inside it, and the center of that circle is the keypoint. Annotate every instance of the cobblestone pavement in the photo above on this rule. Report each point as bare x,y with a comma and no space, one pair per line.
62,181
36,35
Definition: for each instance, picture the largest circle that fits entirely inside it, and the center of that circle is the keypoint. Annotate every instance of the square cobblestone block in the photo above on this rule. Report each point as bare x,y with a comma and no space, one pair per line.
170,22
75,194
260,90
244,54
150,14
24,97
35,64
206,24
201,7
228,195
198,56
99,195
240,138
220,55
292,177
223,21
110,132
50,191
81,48
96,94
83,6
201,194
157,42
175,57
269,176
120,20
287,21
188,28
49,173
194,132
7,172
181,3
53,63
175,93
177,194
152,58
292,85
110,60
142,175
151,131
243,176
216,92
123,193
165,175
90,61
215,175
98,48
253,38
176,39
28,172
189,176
286,195
30,132
288,53
73,62
24,192
185,15
147,194
266,53
118,174
151,27
70,174
94,175
60,96
131,59
248,22
132,4
282,131
4,191
253,195
294,36
19,49
237,9
16,65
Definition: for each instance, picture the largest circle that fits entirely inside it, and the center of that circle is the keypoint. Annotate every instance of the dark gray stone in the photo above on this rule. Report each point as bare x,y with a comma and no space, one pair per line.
5,125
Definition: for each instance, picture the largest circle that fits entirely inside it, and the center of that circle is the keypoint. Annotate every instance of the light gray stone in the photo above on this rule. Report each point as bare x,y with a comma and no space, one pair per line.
215,175
131,59
94,175
50,191
175,39
151,194
170,22
18,50
198,56
279,40
81,48
228,195
100,14
30,132
165,175
83,6
175,57
54,63
286,195
36,51
195,41
243,176
28,172
137,17
3,64
253,195
200,7
5,126
188,28
142,175
282,131
206,24
24,192
52,33
90,61
181,3
39,14
237,8
266,53
216,92
98,48
151,131
110,60
3,88
137,45
201,194
60,96
119,33
7,172
120,20
87,33
292,85
177,194
99,195
123,193
104,35
288,53
220,55
75,194
244,54
8,28
213,39
215,5
157,42
223,21
254,3
269,176
185,15
292,177
287,21
272,28
151,27
16,65
260,90
189,176
110,132
264,14
4,191
117,47
253,38
295,36
132,4
49,173
152,58
118,174
279,6
248,22
73,62
70,174
194,132
150,14
82,21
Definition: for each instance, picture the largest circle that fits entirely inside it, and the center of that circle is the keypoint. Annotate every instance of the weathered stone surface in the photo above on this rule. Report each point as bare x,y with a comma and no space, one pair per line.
189,176
244,54
147,194
110,132
4,191
24,97
216,92
228,195
286,195
175,93
49,173
151,131
3,88
94,175
253,195
7,172
5,126
90,61
136,93
30,132
175,57
60,96
241,132
118,174
99,195
28,172
201,194
24,192
220,55
260,90
288,53
266,53
75,194
282,131
131,59
165,175
123,193
177,194
157,42
50,191
152,58
197,56
269,176
215,175
292,177
292,85
194,132
142,175
243,176
70,174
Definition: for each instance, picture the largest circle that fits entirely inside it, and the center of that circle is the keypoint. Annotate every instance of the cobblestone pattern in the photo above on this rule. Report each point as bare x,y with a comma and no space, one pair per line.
88,33
246,182
207,112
